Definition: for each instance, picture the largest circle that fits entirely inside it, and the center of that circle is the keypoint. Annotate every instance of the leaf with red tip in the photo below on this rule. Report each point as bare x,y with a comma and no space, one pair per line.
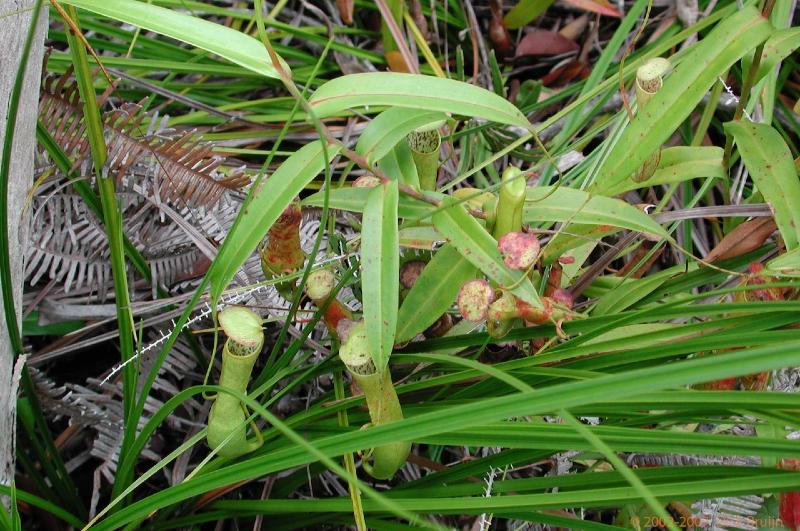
601,7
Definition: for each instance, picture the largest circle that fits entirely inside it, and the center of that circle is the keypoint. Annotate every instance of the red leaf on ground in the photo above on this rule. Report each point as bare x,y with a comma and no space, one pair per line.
541,42
563,75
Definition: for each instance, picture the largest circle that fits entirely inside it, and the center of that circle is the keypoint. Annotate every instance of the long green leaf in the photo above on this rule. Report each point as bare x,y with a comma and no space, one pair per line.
769,161
354,199
470,239
253,222
777,48
681,93
540,401
398,164
563,204
558,437
226,42
433,293
390,127
380,275
679,164
602,497
524,12
416,92
787,264
630,292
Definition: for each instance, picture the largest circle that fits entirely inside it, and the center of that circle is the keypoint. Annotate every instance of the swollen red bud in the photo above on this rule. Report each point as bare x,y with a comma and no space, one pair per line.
519,249
474,299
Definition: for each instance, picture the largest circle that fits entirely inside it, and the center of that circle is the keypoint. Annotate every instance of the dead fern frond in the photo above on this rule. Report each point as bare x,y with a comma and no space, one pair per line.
179,168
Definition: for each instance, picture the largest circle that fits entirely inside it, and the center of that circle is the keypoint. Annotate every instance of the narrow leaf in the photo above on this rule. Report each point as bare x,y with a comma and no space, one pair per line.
677,164
787,264
380,275
777,48
416,92
433,293
254,220
564,204
681,93
390,127
769,161
398,164
226,42
470,239
601,7
524,12
354,199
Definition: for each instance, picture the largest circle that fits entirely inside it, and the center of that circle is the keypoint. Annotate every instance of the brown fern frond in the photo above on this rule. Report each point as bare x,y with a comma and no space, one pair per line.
182,170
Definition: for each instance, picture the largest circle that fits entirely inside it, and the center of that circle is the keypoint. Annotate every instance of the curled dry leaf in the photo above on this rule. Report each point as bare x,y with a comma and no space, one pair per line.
562,75
545,43
575,29
746,237
438,329
345,10
474,299
519,249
